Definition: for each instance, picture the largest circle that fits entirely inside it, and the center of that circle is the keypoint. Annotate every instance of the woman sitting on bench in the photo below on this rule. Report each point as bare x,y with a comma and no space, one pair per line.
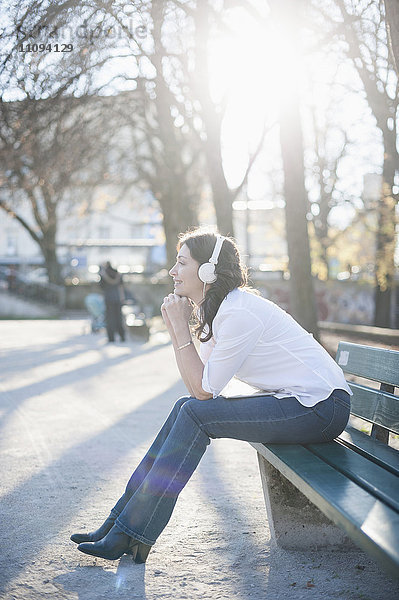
303,396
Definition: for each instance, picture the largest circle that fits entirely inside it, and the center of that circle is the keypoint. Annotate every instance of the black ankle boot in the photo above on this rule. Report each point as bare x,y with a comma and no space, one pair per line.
94,536
115,544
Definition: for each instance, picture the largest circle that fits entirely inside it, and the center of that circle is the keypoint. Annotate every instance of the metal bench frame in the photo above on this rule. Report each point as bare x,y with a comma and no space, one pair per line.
352,482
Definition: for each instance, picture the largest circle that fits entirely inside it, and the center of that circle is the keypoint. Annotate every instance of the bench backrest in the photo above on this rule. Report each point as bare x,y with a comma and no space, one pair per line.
380,407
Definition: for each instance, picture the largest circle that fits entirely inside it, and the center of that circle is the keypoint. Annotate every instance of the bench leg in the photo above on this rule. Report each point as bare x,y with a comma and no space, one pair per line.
294,521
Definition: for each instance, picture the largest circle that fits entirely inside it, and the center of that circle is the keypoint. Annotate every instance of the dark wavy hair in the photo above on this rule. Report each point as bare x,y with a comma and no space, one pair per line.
230,271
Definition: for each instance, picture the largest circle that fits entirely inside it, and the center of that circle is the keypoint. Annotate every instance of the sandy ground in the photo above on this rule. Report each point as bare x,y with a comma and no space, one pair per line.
77,415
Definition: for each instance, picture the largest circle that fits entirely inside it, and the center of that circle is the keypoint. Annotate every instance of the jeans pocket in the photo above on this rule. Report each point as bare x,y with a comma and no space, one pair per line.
339,419
324,411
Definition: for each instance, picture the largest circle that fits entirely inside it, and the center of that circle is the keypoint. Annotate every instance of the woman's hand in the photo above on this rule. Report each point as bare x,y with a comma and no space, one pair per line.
178,309
166,319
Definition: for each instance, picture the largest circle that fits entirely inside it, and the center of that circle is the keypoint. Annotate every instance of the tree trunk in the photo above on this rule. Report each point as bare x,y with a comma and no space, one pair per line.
170,184
302,296
320,223
385,243
212,119
44,235
177,218
49,251
53,266
222,196
392,20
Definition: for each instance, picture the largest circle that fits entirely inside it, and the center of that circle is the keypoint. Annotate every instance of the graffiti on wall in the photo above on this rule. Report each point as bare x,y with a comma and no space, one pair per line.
338,302
350,305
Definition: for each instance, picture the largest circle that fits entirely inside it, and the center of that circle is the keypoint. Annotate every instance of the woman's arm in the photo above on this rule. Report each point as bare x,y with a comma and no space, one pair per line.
191,363
175,346
238,332
178,311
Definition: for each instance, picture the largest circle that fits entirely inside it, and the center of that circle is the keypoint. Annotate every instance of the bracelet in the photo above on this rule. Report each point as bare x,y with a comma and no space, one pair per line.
185,345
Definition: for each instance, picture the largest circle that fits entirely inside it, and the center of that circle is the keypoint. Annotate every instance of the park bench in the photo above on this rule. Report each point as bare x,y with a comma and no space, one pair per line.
351,482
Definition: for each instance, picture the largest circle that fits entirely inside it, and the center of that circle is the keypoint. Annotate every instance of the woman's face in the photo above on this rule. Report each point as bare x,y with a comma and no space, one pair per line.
185,275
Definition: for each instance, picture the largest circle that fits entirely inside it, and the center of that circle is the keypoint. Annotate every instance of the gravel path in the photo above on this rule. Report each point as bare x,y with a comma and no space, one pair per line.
77,415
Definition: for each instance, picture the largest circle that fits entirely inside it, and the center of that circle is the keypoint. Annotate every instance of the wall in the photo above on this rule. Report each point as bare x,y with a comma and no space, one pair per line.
337,301
14,307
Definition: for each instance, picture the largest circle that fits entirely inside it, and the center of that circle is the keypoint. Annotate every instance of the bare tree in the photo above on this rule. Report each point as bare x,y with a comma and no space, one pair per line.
326,168
363,30
326,157
166,162
52,133
46,146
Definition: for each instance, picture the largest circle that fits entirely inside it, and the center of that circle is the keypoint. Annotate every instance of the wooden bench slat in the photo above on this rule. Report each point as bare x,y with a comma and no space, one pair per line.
370,476
376,451
377,364
375,406
372,524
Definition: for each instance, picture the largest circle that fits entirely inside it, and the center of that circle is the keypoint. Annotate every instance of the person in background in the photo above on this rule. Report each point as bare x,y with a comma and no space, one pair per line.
112,286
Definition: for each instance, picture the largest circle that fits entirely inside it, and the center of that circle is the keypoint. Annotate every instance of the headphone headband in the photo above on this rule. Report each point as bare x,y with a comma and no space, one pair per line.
216,251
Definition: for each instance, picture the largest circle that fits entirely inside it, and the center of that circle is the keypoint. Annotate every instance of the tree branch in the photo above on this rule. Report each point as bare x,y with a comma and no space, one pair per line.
252,160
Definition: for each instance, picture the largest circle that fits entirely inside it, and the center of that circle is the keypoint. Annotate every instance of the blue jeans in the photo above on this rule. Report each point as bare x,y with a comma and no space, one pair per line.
152,491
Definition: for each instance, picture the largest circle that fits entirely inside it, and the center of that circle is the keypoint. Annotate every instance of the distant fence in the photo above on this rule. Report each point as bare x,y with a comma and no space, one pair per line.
40,292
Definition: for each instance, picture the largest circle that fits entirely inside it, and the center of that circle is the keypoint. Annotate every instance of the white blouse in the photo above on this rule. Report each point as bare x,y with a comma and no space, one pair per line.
260,344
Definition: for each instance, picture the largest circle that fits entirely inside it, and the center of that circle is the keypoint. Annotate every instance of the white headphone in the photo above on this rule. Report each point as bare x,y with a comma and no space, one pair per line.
206,271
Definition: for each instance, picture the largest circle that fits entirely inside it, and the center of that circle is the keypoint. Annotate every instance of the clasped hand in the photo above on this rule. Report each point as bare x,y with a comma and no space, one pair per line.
176,309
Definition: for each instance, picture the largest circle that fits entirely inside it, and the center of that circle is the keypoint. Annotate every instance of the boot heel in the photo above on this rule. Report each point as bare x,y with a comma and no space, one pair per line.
132,550
143,551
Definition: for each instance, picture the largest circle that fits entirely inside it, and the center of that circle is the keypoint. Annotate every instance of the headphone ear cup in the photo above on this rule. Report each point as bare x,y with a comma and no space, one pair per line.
206,273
